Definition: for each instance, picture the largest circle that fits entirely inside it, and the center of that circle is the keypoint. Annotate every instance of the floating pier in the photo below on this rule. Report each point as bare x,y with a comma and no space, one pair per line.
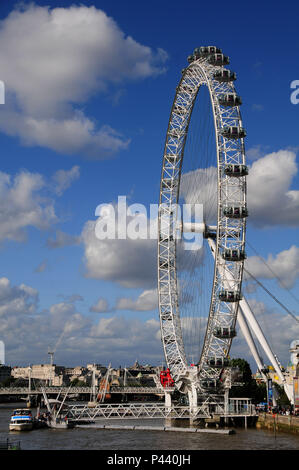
156,428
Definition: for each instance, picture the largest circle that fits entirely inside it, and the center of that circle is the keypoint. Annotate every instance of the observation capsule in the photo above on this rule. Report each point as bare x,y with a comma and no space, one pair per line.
234,169
224,332
233,132
229,99
224,75
231,254
230,296
218,362
204,51
218,59
235,212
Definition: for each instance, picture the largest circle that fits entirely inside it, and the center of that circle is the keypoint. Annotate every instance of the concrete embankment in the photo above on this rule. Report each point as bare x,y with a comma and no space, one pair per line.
277,422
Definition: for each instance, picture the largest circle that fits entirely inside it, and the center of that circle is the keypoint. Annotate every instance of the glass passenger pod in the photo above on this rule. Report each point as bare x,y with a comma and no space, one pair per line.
224,75
231,254
236,170
204,51
233,132
230,296
191,58
229,99
218,362
235,212
218,59
225,332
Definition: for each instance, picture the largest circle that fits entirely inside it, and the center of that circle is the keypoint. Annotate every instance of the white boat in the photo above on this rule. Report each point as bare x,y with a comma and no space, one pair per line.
21,420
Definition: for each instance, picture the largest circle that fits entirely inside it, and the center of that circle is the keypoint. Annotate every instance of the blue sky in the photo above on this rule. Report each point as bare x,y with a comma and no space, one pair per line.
101,84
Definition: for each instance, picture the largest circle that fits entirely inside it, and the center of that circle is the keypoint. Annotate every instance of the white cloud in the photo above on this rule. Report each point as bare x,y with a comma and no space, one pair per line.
53,62
271,201
131,263
255,152
75,338
279,329
63,179
146,301
101,306
16,300
200,187
21,205
285,265
25,202
270,197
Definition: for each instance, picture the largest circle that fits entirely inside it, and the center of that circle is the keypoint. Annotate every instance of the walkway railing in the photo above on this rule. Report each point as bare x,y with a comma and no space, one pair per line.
82,390
84,412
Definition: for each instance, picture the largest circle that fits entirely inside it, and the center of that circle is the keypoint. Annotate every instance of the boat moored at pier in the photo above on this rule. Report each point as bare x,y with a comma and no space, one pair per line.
21,420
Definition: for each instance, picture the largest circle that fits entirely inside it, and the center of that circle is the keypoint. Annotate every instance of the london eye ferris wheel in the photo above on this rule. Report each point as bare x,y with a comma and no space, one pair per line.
200,259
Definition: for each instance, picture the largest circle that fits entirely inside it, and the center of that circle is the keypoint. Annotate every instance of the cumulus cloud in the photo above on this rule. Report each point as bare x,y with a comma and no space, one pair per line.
271,200
22,205
16,300
146,301
285,266
101,306
129,262
25,202
63,179
270,197
54,61
76,338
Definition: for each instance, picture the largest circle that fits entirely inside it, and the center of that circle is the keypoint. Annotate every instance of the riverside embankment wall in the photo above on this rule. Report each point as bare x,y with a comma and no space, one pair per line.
278,422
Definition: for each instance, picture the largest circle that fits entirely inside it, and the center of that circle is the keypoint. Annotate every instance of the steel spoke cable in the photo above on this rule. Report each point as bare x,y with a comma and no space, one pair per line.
272,295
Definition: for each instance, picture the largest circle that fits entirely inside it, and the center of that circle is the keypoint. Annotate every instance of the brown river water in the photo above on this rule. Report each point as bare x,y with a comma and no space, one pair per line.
105,439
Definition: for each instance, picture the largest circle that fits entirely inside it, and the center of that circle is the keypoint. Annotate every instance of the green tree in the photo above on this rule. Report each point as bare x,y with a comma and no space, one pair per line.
78,383
249,387
282,399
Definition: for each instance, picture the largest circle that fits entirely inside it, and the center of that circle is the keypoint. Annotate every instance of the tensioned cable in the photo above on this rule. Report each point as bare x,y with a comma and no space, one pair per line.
195,268
272,295
274,274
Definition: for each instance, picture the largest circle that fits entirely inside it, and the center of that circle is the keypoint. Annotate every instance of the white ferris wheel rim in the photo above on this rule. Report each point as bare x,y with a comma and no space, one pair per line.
230,233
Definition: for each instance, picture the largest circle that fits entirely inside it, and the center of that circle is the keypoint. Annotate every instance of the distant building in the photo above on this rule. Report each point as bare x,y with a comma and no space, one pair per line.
48,373
294,350
5,372
2,352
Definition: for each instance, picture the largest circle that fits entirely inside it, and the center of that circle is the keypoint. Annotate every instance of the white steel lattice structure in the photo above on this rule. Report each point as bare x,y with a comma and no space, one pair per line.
226,240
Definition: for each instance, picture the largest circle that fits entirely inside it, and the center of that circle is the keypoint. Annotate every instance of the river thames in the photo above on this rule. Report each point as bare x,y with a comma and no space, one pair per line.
104,439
